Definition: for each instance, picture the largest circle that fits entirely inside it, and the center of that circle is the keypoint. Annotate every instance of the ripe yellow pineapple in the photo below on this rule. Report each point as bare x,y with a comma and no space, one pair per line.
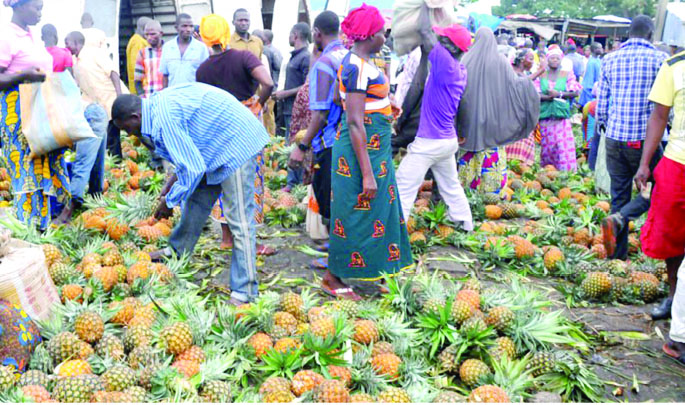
126,310
493,212
461,311
323,327
361,398
72,292
596,285
293,304
274,384
365,332
501,318
52,254
177,338
286,344
72,368
194,353
381,348
341,373
305,380
115,229
503,346
331,391
488,394
108,276
553,258
138,270
394,395
470,296
261,343
188,368
417,237
36,393
523,248
285,324
387,364
143,316
472,371
89,326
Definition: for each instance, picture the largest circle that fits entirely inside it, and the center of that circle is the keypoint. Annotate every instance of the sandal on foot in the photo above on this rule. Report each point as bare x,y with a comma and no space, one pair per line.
673,354
320,264
346,293
323,247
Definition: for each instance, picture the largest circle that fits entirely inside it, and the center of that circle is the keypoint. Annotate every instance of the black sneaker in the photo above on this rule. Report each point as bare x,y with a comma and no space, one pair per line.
663,311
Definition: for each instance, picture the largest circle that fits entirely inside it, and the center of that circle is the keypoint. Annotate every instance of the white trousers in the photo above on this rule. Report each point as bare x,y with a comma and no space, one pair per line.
678,309
438,155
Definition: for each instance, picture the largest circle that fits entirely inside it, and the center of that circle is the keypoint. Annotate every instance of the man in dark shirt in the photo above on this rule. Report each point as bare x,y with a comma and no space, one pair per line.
272,54
296,71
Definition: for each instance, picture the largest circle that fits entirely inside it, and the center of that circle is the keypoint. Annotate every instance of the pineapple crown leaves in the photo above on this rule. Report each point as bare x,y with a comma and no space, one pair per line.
401,296
474,343
394,328
421,392
41,359
309,299
538,330
328,351
414,371
514,376
191,309
217,365
14,395
228,330
169,383
366,379
101,364
282,364
437,328
260,313
573,380
437,216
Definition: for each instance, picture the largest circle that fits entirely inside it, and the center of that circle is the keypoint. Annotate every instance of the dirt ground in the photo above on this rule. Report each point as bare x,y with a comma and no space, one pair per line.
637,367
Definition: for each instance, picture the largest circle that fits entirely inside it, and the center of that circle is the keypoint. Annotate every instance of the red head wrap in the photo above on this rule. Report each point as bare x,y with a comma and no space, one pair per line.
362,22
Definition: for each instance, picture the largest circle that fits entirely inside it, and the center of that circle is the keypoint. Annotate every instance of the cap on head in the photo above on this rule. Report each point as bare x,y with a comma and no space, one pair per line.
460,36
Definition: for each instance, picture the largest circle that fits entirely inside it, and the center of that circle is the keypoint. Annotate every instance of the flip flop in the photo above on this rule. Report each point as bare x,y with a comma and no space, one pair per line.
323,247
264,250
319,264
346,293
673,354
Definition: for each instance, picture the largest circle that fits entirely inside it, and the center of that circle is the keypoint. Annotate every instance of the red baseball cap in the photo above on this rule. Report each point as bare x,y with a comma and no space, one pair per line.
460,36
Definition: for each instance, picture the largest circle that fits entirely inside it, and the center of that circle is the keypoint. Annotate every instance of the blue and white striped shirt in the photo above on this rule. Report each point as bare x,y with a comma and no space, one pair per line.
202,130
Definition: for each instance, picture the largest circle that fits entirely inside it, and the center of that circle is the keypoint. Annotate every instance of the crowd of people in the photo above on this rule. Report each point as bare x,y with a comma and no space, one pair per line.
205,101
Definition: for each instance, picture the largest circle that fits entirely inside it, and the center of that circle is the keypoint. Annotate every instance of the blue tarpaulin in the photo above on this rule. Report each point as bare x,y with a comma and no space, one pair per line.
477,20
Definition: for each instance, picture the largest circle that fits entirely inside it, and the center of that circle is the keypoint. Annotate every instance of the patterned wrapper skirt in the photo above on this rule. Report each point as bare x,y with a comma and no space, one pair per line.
368,239
484,171
557,145
523,150
18,337
34,181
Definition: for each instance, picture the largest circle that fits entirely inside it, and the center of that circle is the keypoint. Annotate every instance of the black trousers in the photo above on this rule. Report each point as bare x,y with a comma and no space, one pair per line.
321,181
114,140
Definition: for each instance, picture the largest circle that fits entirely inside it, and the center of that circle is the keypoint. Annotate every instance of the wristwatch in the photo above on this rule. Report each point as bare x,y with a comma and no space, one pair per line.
303,147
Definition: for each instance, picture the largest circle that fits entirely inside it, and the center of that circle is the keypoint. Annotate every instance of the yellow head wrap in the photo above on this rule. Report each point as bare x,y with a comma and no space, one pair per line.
215,30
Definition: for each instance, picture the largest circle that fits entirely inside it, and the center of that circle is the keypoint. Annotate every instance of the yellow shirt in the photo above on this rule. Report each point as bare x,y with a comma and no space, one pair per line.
135,44
92,70
669,90
253,44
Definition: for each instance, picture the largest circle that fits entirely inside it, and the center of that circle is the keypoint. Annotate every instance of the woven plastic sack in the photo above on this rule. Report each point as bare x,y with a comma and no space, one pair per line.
405,21
52,114
313,223
602,178
25,281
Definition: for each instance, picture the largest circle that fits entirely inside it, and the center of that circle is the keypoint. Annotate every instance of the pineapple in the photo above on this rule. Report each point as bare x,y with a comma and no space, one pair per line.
285,345
261,343
141,357
118,378
599,251
509,211
472,371
149,233
111,346
501,318
387,364
63,346
285,324
585,267
102,397
137,394
36,393
33,377
115,229
617,268
108,276
523,248
7,378
432,305
194,353
504,347
274,384
216,392
112,258
582,237
444,231
278,397
474,324
461,311
417,237
177,338
187,368
493,212
472,284
447,397
342,374
323,327
316,313
305,380
331,391
553,257
163,272
490,394
136,336
596,285
491,199
361,398
52,254
382,348
147,374
139,270
72,292
346,307
61,273
541,363
122,271
89,326
293,304
78,389
470,296
72,368
143,316
126,311
365,332
128,247
394,395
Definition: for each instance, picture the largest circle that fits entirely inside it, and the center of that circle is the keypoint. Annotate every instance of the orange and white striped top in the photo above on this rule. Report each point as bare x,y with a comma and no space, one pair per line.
357,75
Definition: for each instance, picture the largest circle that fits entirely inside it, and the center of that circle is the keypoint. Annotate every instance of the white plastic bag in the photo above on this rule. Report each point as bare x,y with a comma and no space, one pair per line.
314,224
25,281
52,114
406,17
602,178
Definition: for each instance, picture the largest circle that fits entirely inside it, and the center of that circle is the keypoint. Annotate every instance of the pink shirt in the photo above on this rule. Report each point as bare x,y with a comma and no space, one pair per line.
21,50
61,58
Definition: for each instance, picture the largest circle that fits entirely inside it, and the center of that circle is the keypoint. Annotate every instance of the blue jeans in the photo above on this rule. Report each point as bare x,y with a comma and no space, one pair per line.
239,207
89,165
594,149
